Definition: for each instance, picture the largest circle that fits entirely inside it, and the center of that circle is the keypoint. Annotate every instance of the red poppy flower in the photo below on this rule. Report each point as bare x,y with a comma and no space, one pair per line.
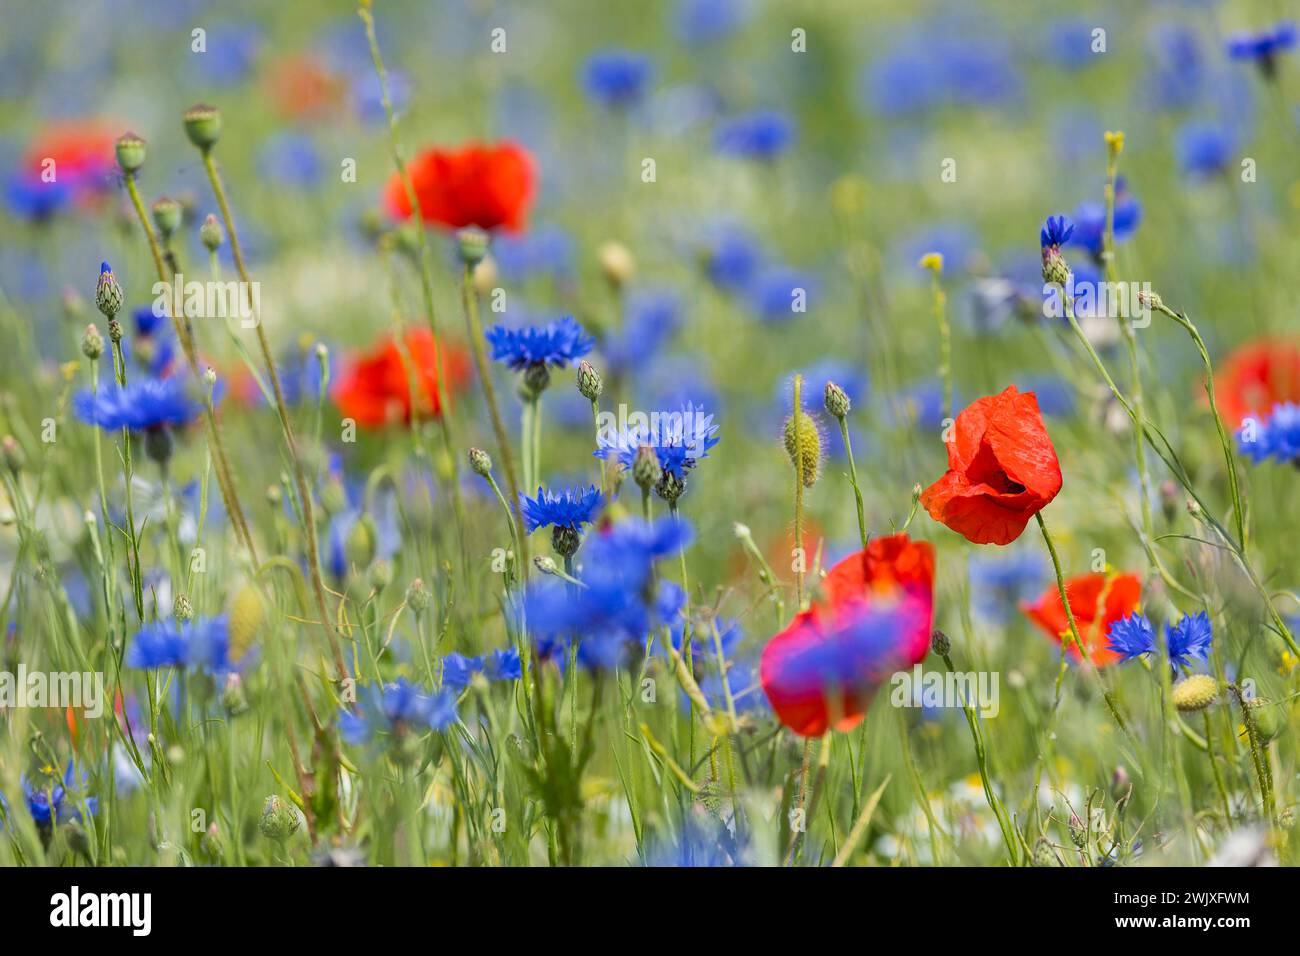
1255,377
1097,600
875,617
375,389
1002,469
303,88
484,186
82,152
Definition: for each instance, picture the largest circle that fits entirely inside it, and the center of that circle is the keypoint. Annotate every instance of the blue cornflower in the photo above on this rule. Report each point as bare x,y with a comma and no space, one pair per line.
732,258
55,804
1090,220
697,22
143,404
1131,637
1189,638
503,664
556,343
680,440
698,845
1000,581
544,250
764,135
202,644
30,197
1069,43
231,53
394,709
650,318
1056,232
571,508
780,293
1264,46
1204,149
1276,437
291,159
617,78
367,95
458,670
938,64
620,603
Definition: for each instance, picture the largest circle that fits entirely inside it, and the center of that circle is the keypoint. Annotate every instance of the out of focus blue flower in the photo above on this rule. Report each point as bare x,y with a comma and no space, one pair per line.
948,64
617,79
30,197
620,604
780,293
395,709
1090,220
202,645
762,135
231,50
1069,43
921,405
732,258
1276,437
368,99
650,319
999,581
458,670
1264,46
697,845
556,343
544,250
360,529
697,22
142,404
503,664
1132,637
1177,75
571,508
1204,149
290,158
56,802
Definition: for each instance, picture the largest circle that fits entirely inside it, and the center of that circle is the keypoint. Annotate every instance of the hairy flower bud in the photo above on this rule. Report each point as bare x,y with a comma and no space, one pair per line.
837,401
590,384
1195,692
803,443
479,462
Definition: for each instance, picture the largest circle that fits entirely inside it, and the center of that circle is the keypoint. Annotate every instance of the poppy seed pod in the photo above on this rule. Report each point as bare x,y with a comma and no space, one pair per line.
130,151
210,233
202,125
167,215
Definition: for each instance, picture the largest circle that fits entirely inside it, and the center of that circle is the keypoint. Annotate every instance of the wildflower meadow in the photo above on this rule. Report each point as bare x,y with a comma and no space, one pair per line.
703,433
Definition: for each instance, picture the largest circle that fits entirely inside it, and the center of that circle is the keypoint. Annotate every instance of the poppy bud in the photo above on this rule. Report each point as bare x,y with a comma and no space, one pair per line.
1195,692
479,462
837,401
167,215
108,293
210,233
803,443
92,343
130,152
202,125
1268,722
590,384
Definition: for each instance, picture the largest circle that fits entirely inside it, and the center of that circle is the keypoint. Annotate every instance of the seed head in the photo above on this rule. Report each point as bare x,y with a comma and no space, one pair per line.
1195,692
803,443
130,152
202,125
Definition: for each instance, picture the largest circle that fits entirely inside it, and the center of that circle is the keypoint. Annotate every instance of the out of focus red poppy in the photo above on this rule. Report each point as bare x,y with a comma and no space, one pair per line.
890,574
1002,469
374,388
1255,377
1098,600
486,186
82,155
302,88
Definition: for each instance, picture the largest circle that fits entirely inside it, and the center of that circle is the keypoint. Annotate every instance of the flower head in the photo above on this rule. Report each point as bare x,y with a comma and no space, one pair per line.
571,508
1131,637
1002,469
141,405
679,440
1097,601
1189,639
1257,376
1263,46
764,135
1056,232
200,644
375,387
395,710
617,78
554,344
1277,437
486,186
1204,149
53,802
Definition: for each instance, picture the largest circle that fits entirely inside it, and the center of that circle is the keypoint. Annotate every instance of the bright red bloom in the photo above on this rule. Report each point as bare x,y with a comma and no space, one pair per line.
486,186
890,574
375,389
1097,600
1255,377
1002,469
83,155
